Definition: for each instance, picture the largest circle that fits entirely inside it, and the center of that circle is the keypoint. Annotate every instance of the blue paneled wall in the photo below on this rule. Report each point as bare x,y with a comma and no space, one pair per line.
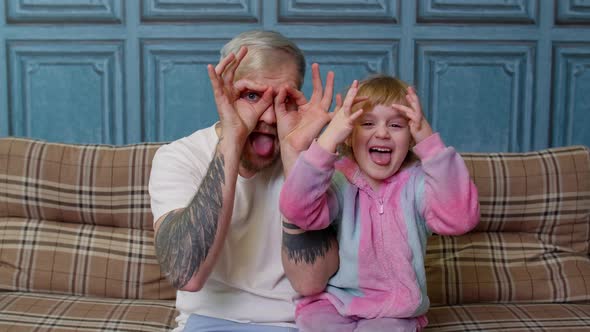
493,75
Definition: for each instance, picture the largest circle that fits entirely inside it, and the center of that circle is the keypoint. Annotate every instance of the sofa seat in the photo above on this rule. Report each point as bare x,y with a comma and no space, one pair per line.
26,311
510,317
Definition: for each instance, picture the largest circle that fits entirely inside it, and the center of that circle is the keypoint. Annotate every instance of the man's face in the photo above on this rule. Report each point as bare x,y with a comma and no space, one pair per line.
261,149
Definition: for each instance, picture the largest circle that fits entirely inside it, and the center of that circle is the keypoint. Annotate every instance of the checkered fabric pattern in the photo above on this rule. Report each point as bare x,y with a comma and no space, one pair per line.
557,317
89,184
76,239
76,243
46,312
532,242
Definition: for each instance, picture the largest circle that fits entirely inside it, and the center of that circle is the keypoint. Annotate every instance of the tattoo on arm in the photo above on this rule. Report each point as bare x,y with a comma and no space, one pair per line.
306,246
185,236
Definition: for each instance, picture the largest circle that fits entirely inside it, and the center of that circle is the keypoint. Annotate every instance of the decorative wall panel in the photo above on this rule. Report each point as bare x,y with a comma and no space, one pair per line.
571,95
493,75
201,10
478,11
177,95
64,11
353,11
66,91
349,60
477,95
573,12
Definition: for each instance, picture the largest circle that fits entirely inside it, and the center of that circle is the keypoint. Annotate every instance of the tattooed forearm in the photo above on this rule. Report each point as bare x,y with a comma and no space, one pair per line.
308,246
185,236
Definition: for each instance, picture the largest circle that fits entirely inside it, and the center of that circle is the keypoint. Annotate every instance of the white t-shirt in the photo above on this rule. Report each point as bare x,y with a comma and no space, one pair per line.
248,283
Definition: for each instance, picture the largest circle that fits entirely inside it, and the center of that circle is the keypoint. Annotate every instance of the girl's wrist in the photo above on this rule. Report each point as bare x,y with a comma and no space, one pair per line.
326,143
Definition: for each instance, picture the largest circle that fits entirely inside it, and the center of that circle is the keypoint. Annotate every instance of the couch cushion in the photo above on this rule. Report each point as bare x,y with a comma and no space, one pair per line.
546,193
532,242
91,184
504,267
510,317
79,259
44,312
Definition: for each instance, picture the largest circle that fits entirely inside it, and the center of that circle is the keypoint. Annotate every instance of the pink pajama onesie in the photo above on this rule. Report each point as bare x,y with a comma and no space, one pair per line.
382,235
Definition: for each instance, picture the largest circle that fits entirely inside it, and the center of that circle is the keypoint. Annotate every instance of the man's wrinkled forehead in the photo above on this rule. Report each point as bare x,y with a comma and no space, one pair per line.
270,63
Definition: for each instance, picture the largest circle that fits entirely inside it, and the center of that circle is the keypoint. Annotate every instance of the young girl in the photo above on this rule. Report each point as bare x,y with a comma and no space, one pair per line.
383,202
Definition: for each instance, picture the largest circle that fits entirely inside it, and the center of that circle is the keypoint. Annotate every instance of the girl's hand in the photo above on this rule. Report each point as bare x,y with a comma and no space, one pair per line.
342,122
419,127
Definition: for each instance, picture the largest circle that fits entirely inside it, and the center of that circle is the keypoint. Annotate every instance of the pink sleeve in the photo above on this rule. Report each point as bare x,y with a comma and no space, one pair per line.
306,199
451,204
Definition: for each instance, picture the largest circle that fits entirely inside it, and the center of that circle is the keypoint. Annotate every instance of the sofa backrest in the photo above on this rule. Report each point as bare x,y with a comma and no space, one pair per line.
532,242
89,184
76,220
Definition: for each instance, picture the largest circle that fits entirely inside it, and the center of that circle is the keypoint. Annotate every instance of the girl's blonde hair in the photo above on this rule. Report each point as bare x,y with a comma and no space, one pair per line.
382,90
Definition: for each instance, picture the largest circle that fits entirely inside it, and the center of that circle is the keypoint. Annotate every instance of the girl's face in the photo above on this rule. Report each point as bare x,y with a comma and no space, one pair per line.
380,142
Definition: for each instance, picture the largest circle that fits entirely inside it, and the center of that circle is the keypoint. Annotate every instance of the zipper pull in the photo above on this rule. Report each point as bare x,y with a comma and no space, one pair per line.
380,206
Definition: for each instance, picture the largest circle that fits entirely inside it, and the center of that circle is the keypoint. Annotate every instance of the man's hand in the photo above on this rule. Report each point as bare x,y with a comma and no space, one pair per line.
239,105
298,125
419,126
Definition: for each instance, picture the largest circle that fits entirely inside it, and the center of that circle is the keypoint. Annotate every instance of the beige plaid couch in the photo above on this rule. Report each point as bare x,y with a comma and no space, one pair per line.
76,243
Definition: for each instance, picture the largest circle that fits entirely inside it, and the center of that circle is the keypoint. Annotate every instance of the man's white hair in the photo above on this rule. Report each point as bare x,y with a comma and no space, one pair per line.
259,41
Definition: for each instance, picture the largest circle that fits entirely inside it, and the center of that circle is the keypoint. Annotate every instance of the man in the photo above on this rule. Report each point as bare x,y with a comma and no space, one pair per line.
214,194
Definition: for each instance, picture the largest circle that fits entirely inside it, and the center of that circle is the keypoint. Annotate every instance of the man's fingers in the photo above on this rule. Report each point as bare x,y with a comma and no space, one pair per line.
298,96
338,101
214,79
265,101
223,63
233,66
327,97
316,79
279,100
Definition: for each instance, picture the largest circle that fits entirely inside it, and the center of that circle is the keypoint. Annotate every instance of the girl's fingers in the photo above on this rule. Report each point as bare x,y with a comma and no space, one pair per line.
407,111
348,101
359,99
356,115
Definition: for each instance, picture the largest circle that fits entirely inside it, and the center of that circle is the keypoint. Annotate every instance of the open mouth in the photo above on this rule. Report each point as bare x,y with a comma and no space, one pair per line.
263,144
380,155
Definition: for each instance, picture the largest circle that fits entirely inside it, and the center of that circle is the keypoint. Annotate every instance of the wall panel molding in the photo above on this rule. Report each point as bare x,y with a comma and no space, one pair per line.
478,11
457,80
571,94
64,12
66,91
177,96
350,59
343,11
201,10
573,12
